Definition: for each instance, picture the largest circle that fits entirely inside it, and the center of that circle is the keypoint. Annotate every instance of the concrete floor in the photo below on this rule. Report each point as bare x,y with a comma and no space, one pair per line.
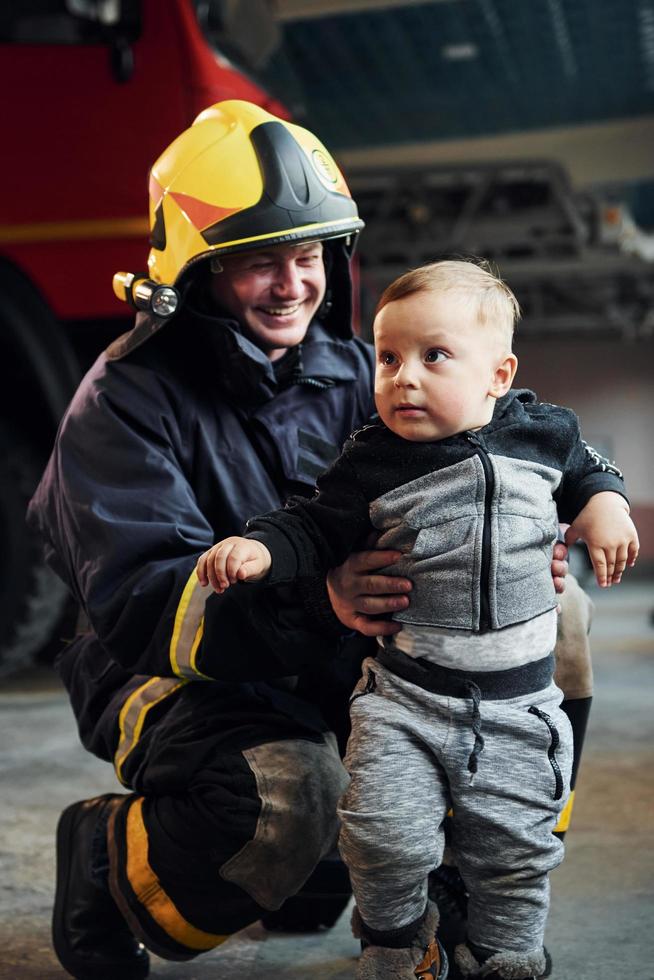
602,916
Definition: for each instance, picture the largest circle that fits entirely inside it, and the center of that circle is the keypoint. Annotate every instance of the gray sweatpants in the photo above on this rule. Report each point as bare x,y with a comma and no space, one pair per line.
410,757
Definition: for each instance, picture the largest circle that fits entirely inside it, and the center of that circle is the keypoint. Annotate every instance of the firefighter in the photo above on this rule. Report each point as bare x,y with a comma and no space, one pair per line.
237,386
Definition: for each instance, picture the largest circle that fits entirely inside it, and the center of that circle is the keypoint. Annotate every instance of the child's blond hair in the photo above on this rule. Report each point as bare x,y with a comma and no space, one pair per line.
496,305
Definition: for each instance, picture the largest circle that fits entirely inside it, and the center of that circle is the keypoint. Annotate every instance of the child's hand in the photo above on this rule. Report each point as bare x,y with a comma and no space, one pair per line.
233,560
609,534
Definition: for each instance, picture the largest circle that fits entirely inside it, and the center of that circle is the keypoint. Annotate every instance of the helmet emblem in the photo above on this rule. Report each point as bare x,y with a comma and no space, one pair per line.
324,167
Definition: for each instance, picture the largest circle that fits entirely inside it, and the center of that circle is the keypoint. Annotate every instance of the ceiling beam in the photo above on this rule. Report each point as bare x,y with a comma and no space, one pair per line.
287,10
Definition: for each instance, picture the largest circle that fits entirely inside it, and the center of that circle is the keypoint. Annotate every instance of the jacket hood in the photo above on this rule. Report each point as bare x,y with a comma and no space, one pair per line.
335,313
241,368
512,402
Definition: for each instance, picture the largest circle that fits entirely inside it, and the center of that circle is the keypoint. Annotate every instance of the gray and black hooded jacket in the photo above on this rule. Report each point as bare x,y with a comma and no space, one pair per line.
475,515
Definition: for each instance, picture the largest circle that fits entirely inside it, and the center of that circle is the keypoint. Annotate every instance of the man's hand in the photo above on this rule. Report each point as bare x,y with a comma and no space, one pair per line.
358,594
559,566
609,534
233,560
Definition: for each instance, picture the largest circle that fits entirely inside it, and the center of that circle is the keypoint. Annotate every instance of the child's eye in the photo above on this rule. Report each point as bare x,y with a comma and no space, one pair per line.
435,355
386,357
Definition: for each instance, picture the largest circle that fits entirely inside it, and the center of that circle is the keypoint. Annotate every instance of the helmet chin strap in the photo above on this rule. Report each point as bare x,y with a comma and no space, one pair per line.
326,306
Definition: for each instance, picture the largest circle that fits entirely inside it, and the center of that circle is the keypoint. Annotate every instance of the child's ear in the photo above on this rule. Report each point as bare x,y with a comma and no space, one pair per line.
503,376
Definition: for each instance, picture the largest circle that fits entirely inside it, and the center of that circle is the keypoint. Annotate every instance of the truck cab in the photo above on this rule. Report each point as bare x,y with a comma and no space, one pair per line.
94,90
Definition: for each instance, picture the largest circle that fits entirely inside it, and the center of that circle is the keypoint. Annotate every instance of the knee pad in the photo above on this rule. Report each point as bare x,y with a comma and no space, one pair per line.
299,783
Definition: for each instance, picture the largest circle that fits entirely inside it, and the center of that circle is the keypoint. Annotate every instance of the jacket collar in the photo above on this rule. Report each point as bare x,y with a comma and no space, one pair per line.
243,368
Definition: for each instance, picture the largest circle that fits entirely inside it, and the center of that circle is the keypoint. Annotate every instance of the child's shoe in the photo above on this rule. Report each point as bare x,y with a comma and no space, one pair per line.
507,965
424,959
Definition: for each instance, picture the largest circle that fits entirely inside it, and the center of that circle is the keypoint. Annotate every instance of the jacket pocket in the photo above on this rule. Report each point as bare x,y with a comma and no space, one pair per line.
555,741
366,685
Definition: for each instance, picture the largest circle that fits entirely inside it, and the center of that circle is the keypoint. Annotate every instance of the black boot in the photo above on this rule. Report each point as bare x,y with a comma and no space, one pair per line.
90,936
448,892
318,904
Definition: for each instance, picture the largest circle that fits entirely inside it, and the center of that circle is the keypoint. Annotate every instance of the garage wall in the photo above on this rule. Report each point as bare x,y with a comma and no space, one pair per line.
609,384
599,153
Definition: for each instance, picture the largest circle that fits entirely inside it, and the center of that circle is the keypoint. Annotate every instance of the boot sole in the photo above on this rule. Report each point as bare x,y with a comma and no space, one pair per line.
79,968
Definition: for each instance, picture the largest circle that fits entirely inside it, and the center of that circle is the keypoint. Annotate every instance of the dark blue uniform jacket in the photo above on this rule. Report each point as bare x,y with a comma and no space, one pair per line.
163,451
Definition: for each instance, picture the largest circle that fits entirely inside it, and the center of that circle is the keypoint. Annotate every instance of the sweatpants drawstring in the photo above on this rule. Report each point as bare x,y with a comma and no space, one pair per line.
475,697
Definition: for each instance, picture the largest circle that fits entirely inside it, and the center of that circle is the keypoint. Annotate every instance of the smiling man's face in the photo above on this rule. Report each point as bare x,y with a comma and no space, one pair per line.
274,293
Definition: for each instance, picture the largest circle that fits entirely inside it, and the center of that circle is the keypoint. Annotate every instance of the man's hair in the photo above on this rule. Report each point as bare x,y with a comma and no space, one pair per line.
475,280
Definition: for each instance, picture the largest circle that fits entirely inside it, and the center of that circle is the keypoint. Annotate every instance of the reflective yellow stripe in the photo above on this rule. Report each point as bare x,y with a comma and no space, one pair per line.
564,818
150,894
134,711
319,227
61,231
188,629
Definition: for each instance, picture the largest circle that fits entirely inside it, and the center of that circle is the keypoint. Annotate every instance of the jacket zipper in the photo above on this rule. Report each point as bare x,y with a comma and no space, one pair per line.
484,575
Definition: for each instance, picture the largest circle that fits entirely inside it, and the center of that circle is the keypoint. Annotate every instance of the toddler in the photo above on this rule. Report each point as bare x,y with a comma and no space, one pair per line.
467,478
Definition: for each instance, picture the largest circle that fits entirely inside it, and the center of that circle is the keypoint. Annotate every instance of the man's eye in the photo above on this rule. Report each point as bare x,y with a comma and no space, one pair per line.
263,264
386,357
434,356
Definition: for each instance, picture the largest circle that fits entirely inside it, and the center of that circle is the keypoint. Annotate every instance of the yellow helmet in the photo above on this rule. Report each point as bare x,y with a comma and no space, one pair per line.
237,179
240,179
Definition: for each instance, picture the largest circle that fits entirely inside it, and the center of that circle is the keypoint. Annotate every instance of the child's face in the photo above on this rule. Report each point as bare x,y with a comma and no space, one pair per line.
439,370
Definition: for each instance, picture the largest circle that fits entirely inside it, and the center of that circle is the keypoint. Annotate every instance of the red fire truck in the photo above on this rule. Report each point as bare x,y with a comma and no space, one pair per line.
93,90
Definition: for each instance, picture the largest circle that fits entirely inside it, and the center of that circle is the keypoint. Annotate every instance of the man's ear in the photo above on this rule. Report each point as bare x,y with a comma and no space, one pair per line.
503,376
